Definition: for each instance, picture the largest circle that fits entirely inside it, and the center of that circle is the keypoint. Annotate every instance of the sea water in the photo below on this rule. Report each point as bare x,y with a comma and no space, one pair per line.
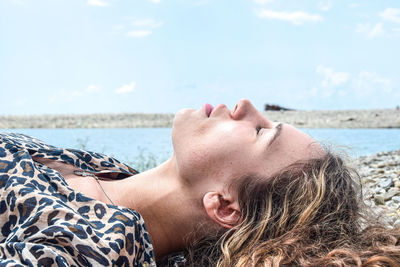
129,142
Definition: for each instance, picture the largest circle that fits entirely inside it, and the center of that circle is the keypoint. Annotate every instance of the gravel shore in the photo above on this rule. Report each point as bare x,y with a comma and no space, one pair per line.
382,118
380,176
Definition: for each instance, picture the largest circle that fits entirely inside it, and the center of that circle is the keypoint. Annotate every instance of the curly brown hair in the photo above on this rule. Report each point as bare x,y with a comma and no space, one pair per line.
309,214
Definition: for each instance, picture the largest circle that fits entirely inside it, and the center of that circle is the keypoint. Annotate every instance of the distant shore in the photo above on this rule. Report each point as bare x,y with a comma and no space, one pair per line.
379,118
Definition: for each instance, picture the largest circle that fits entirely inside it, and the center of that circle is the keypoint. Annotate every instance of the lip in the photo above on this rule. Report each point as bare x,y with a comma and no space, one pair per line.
208,108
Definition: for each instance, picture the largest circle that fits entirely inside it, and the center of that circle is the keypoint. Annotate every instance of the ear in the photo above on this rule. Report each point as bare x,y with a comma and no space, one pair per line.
224,210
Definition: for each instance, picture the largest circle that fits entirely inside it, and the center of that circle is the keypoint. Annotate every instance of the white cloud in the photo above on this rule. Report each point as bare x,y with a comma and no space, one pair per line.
155,1
297,17
126,88
325,5
371,31
332,78
263,2
363,85
391,14
100,3
148,23
138,34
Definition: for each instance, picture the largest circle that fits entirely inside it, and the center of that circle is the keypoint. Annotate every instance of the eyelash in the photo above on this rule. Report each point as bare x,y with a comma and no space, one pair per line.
258,129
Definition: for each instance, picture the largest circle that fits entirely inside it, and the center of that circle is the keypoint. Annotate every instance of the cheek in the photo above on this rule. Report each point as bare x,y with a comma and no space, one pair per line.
210,150
195,164
202,159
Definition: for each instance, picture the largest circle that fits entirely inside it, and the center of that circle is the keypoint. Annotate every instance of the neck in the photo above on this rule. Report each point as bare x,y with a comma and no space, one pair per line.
166,207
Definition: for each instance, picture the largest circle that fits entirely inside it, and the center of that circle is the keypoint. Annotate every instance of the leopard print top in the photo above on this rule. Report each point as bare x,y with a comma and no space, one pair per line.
44,222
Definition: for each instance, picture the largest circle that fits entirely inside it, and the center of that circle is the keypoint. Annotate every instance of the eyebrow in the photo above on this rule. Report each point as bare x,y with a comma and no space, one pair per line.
278,130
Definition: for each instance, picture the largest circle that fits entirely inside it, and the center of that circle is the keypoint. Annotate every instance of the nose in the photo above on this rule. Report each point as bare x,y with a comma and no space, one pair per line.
244,110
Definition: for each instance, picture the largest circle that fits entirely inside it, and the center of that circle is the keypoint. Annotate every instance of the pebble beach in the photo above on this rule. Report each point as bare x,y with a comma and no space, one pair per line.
380,177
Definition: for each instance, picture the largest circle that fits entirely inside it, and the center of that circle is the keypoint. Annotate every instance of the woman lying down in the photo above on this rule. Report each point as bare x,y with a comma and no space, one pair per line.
238,190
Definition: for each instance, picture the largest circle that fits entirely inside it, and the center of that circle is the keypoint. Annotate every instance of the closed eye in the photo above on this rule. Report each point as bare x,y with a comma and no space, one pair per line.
258,129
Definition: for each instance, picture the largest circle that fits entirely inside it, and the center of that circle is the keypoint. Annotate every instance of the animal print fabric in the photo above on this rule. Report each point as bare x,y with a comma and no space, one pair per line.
44,222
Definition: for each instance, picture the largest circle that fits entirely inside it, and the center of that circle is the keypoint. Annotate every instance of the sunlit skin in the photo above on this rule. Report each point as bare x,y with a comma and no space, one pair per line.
209,152
226,145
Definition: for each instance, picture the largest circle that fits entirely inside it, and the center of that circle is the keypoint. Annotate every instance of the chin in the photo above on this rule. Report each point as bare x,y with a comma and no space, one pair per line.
179,118
182,114
179,123
183,117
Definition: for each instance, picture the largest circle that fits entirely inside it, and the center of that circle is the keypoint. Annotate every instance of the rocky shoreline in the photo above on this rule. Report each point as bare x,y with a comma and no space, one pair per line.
380,118
380,176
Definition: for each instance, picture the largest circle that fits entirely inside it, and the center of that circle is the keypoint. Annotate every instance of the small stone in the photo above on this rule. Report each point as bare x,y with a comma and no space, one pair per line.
386,183
380,191
397,223
368,181
396,199
388,220
380,171
379,200
390,204
381,165
391,193
397,184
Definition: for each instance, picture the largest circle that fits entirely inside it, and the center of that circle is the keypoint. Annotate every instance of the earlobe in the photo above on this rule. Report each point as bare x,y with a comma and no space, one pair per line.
224,211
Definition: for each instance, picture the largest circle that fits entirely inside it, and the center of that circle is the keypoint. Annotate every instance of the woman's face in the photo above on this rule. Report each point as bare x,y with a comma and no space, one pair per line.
227,144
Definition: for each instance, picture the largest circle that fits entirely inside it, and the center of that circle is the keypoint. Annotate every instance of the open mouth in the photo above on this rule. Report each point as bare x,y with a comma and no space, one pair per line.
208,109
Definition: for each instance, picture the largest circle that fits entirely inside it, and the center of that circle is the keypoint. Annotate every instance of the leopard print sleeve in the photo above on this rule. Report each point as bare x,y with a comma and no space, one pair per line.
43,222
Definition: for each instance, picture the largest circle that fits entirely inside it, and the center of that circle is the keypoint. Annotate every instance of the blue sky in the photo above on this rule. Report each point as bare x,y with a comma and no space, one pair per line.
97,56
